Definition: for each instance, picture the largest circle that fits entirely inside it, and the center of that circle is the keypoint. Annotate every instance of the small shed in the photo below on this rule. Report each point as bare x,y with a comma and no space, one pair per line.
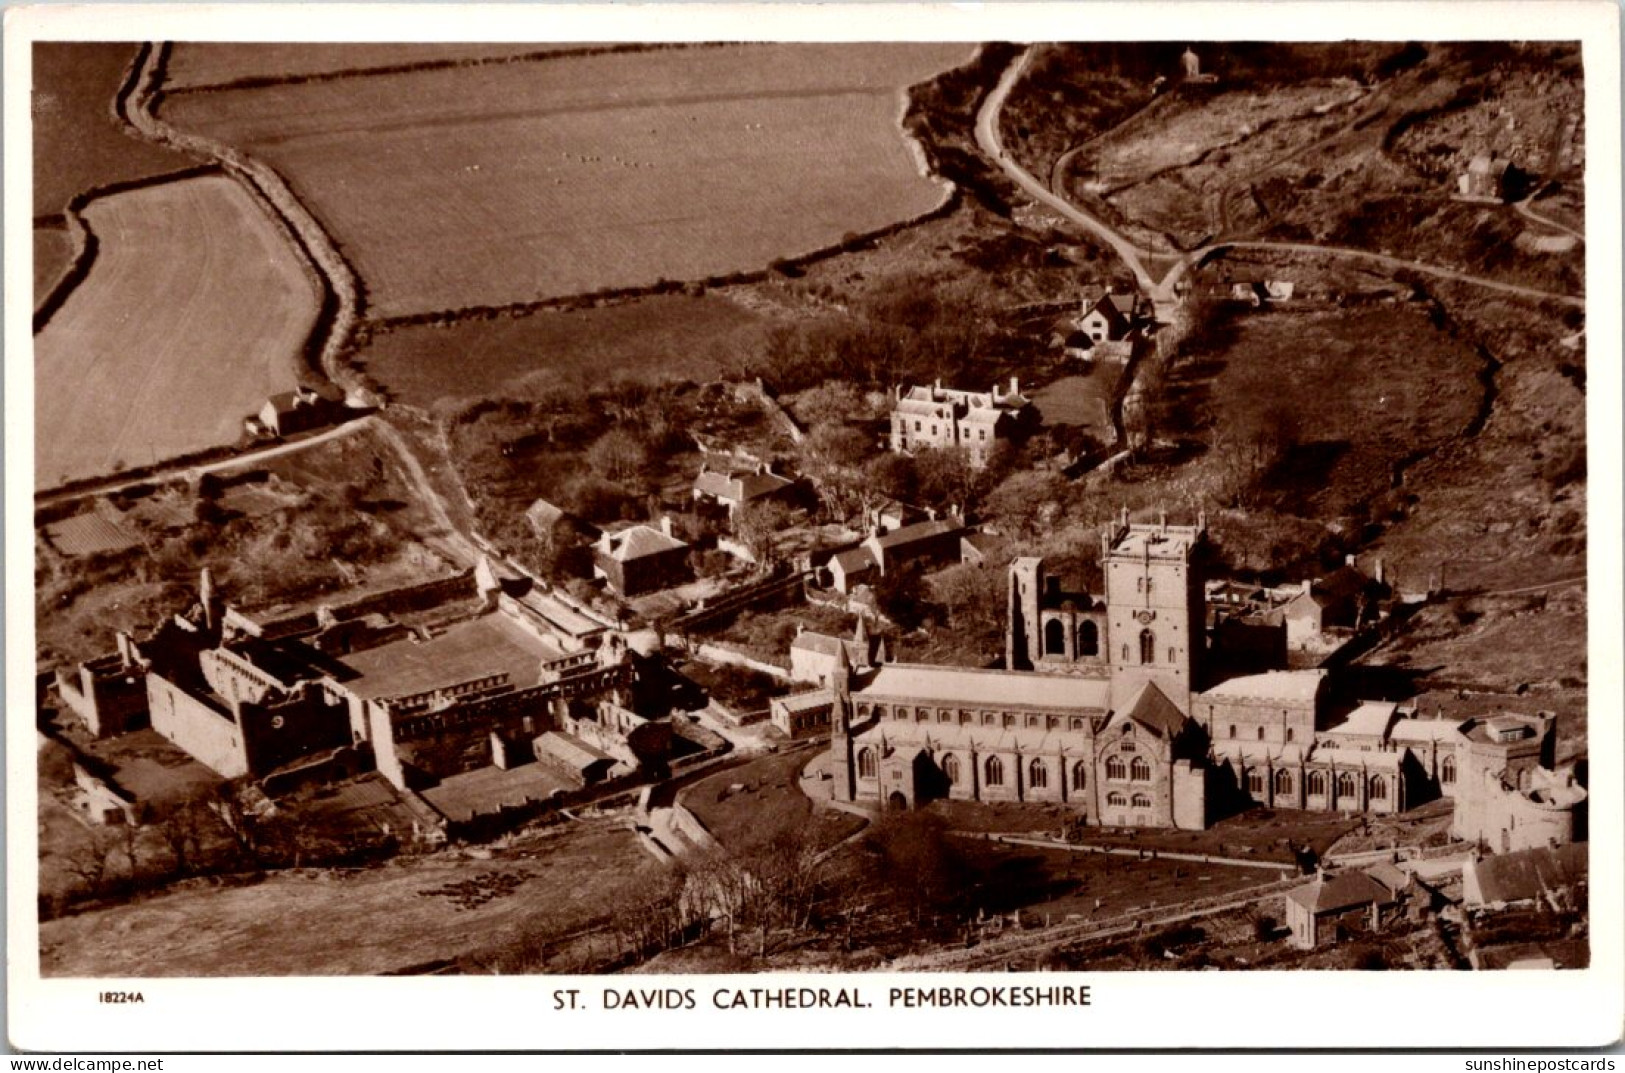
581,762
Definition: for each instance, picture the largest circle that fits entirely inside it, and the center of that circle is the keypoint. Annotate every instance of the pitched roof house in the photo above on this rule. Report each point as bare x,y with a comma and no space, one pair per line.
1335,905
1528,876
734,490
641,559
1108,318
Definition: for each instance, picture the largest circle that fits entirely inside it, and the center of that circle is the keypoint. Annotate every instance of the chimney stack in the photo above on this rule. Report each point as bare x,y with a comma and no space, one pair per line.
665,524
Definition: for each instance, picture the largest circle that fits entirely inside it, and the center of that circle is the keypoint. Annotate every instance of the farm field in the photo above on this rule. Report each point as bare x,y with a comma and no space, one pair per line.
366,922
590,173
198,64
655,338
53,253
193,312
78,143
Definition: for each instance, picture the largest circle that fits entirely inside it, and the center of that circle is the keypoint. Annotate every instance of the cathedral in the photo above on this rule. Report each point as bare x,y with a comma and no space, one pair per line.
1106,705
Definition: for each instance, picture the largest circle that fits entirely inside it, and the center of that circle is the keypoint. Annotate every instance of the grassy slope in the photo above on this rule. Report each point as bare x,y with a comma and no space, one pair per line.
194,311
309,922
771,804
1369,388
630,168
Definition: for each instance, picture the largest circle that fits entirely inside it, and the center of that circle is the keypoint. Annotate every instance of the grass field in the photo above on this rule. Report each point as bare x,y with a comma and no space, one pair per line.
78,144
312,922
573,175
659,337
768,803
194,64
193,312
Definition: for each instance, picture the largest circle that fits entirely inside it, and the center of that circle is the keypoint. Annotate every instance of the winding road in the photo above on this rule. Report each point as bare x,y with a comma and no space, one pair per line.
1161,292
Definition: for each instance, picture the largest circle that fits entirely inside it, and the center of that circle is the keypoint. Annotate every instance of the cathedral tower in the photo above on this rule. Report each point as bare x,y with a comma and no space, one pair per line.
1155,603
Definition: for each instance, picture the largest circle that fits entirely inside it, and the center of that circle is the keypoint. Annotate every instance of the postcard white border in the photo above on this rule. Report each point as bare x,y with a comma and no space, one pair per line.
1570,1008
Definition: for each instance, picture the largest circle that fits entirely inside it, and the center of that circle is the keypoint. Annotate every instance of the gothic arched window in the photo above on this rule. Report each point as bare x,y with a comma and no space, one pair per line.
1315,784
993,772
1345,784
1447,771
866,763
1255,783
1141,801
1379,788
1116,799
1080,775
1088,639
1037,774
1139,770
950,768
1148,646
1283,782
1054,637
1115,768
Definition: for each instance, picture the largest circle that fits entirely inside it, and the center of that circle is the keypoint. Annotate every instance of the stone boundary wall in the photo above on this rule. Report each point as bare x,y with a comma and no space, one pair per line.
613,295
716,653
340,290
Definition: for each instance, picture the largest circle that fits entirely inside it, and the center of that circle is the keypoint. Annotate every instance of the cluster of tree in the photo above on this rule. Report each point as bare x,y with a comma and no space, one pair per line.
1249,441
209,832
913,331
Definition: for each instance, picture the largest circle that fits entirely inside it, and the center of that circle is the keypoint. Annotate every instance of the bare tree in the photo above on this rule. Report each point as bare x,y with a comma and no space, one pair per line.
618,456
758,526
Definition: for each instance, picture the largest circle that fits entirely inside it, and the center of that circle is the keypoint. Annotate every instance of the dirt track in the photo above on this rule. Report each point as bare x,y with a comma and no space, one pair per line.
1162,291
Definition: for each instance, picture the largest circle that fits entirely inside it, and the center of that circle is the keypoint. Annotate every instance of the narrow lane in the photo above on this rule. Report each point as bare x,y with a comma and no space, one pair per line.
1161,292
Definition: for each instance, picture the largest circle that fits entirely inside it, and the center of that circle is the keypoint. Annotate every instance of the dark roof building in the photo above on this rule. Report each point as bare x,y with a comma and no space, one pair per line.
641,559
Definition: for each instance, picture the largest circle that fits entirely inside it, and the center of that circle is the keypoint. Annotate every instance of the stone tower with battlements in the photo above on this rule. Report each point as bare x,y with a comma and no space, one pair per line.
1154,604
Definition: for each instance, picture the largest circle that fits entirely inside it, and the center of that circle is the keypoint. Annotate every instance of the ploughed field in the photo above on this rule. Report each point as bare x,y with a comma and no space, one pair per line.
504,183
194,310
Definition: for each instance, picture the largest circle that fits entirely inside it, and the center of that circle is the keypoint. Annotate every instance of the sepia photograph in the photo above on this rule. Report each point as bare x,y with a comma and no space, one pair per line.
693,517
